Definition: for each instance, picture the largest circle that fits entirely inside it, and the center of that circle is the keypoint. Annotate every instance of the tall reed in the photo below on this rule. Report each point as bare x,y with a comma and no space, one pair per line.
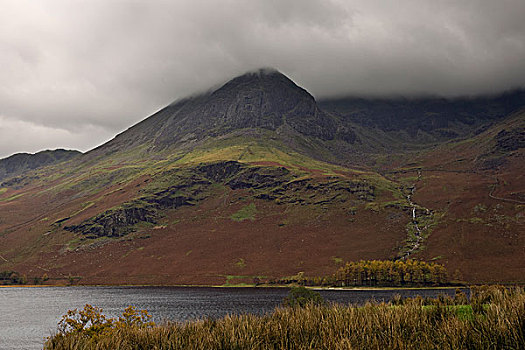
498,324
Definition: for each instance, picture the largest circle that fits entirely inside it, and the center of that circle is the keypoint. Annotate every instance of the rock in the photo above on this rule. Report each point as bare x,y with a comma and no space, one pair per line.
115,222
512,140
220,171
260,177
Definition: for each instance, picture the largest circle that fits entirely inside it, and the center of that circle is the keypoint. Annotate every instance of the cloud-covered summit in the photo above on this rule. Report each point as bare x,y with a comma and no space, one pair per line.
74,73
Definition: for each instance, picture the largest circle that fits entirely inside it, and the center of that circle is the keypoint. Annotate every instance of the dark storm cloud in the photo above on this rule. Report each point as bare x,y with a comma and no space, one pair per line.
74,73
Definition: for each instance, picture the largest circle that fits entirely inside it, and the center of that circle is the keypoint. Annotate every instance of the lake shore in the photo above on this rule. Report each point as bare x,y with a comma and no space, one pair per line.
233,286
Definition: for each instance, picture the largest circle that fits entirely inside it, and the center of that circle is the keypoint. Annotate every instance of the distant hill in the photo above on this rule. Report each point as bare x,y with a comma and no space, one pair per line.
21,162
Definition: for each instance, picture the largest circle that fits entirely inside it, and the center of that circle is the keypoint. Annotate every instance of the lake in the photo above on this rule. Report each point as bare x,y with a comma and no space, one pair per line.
28,315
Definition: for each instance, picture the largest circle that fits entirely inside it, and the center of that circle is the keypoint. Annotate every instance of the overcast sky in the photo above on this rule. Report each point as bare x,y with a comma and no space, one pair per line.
75,73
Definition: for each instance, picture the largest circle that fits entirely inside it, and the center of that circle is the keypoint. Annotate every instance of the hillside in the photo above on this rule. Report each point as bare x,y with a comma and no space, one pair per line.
476,186
256,180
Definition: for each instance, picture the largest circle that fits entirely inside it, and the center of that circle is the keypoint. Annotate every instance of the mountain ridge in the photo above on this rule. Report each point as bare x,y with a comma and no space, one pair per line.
343,130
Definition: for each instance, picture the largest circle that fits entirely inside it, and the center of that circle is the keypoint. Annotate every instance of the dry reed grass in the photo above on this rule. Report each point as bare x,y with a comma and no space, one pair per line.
498,324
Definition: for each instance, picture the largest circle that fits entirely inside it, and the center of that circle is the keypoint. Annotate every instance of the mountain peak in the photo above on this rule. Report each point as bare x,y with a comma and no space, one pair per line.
260,73
268,78
264,71
264,98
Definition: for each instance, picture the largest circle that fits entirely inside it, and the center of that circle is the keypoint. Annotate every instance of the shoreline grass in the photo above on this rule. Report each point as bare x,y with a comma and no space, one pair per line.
493,319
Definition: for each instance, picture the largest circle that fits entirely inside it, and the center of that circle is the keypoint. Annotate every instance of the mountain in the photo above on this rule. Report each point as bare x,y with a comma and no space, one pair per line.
22,162
262,104
257,180
263,99
345,131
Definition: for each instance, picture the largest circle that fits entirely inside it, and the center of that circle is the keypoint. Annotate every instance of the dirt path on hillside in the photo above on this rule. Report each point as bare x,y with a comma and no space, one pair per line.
493,189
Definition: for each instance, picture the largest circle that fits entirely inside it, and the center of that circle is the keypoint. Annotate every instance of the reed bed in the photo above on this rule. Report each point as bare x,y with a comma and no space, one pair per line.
494,319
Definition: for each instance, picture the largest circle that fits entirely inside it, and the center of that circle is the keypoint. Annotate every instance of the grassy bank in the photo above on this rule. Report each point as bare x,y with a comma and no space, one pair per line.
493,319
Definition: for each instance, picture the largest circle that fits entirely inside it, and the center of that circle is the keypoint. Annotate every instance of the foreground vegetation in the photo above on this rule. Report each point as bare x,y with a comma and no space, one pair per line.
493,319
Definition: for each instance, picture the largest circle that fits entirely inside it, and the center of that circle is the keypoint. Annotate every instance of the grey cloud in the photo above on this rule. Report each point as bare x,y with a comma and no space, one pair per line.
77,65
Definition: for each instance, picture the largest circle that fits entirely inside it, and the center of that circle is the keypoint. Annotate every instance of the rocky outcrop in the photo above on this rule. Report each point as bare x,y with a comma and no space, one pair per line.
116,222
324,191
346,134
219,171
510,140
188,186
260,177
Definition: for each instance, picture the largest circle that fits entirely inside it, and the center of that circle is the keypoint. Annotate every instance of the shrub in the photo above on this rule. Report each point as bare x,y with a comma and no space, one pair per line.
89,321
301,296
132,317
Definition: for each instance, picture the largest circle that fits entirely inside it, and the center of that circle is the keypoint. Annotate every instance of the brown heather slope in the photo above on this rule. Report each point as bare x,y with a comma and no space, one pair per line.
205,247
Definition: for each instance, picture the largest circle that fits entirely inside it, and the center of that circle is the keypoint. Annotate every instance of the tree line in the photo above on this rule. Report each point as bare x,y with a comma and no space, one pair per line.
379,273
391,273
15,278
12,277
